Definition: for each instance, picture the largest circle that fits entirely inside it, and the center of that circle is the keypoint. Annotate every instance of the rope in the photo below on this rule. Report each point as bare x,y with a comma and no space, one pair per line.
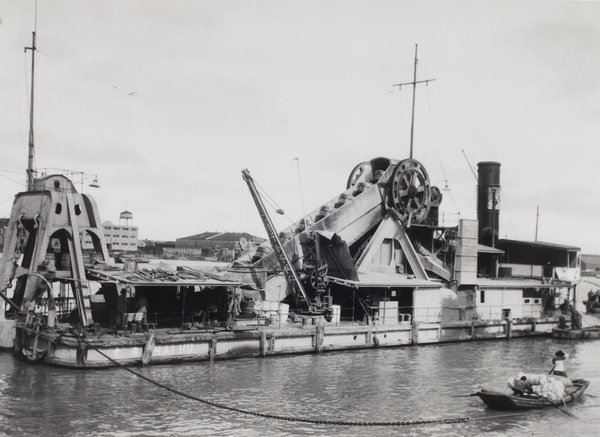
586,319
276,416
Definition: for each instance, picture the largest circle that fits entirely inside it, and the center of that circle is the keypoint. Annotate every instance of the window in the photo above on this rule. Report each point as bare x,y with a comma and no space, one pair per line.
482,296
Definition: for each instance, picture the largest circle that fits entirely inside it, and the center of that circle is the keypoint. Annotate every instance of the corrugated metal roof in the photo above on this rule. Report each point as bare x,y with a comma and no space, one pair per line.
520,283
487,249
539,244
183,276
386,280
221,236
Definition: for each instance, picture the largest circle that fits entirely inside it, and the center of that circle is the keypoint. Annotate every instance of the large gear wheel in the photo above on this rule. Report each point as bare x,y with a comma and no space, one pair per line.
361,173
411,191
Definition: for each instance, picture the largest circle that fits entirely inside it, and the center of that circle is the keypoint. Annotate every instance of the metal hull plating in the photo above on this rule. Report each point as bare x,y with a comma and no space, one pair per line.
162,346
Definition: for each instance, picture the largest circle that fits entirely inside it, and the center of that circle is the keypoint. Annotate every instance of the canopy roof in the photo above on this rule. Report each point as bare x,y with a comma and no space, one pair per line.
386,280
183,276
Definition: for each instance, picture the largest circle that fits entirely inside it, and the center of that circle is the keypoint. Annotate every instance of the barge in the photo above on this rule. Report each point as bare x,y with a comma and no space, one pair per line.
370,268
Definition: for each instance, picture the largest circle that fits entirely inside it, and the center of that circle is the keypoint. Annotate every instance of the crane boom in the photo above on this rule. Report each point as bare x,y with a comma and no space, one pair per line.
284,262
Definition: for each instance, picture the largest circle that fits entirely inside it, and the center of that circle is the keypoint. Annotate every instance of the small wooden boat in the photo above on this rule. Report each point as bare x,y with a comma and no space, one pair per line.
576,334
503,401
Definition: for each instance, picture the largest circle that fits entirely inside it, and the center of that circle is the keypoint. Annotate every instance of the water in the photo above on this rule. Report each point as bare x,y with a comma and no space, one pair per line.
401,384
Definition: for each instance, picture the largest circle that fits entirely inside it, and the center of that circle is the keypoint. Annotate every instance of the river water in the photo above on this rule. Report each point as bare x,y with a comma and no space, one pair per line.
379,385
404,384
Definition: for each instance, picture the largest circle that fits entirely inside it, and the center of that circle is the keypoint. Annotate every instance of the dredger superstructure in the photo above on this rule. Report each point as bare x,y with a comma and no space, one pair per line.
369,268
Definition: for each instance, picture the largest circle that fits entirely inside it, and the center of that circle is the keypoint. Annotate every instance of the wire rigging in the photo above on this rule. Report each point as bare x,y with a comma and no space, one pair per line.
301,192
268,198
12,180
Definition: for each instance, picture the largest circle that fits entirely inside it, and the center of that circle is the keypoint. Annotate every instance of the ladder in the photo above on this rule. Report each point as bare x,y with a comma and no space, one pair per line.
284,262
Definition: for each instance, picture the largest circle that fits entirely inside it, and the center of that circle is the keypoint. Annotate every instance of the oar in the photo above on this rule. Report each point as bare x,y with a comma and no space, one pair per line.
560,409
464,396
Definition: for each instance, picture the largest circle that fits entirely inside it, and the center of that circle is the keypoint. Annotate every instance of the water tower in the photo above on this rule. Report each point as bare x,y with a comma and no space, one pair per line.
126,218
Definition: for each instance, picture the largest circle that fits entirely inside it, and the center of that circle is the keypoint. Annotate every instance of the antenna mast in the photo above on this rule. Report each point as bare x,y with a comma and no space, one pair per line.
537,218
301,193
414,84
30,163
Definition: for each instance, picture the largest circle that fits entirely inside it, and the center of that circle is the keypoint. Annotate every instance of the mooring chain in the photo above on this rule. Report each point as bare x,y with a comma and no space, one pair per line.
276,416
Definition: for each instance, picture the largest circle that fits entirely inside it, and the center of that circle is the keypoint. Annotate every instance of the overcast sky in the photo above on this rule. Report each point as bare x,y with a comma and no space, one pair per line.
167,101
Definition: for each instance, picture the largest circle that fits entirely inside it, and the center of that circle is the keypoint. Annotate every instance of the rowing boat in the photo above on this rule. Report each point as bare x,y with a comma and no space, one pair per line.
502,401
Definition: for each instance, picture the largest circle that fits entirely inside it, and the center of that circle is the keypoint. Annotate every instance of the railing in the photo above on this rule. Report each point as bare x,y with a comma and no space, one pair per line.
64,306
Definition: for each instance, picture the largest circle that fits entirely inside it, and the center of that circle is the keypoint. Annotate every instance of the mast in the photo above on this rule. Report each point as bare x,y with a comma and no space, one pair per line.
30,163
414,84
537,218
412,118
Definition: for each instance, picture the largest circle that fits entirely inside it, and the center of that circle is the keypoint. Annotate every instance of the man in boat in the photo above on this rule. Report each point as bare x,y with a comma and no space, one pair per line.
592,300
559,364
522,387
576,319
562,322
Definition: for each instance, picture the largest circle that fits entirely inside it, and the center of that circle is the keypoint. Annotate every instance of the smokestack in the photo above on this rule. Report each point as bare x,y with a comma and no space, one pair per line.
488,202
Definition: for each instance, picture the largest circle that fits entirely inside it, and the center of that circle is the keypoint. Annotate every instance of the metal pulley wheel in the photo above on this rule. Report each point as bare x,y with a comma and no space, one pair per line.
313,279
317,274
361,173
322,268
411,191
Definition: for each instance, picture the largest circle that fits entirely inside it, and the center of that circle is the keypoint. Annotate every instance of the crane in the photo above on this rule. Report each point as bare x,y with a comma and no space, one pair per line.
286,265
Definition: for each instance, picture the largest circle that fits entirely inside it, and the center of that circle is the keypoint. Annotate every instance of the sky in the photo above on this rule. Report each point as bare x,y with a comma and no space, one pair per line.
165,102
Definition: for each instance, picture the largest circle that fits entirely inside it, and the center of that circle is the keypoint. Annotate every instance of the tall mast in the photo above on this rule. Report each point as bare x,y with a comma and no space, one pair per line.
537,218
414,84
30,163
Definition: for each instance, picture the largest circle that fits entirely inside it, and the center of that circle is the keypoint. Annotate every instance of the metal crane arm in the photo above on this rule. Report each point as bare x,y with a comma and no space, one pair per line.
286,265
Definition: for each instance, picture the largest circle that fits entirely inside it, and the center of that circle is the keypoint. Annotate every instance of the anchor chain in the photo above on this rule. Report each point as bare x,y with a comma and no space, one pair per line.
276,416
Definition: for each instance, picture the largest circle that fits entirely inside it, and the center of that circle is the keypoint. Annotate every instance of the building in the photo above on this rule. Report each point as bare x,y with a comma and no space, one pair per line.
121,237
590,264
224,246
